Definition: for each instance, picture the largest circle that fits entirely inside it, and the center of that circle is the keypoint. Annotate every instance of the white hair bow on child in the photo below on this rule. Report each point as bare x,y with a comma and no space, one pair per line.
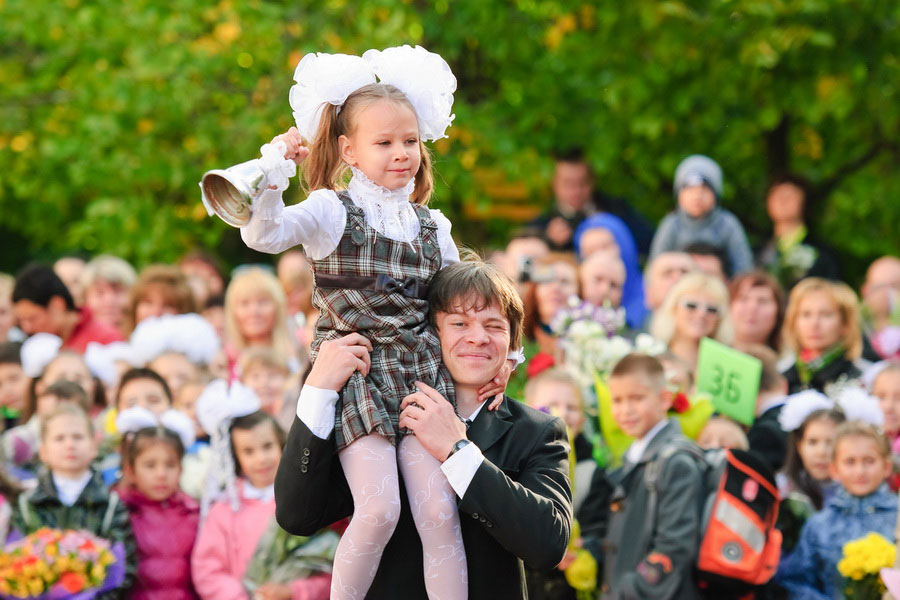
38,351
136,418
101,359
853,401
218,405
188,334
424,78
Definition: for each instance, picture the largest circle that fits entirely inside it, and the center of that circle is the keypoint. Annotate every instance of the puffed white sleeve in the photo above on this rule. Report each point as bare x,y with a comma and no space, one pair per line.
449,251
317,223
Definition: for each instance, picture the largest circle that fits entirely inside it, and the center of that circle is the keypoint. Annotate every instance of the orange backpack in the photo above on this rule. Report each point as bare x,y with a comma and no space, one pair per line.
739,545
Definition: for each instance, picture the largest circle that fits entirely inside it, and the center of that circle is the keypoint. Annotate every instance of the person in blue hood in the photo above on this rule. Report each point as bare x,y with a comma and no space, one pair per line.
862,504
606,232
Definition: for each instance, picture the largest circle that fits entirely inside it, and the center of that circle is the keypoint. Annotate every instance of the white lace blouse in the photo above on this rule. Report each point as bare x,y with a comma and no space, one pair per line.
319,221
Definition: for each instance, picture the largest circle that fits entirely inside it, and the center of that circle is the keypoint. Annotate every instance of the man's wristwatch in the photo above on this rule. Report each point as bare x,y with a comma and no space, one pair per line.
458,446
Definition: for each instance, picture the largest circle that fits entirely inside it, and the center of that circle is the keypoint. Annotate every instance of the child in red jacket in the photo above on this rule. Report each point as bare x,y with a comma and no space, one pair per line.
164,518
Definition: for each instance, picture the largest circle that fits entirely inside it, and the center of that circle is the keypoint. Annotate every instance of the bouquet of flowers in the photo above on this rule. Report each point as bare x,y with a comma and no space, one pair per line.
861,566
592,344
52,564
589,337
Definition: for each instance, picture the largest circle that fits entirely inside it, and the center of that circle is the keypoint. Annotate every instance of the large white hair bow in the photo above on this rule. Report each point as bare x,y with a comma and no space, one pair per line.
424,77
101,359
218,405
852,400
38,351
136,418
189,334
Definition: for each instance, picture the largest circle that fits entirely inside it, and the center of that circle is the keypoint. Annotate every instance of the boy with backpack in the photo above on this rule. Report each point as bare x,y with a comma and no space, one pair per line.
647,552
674,521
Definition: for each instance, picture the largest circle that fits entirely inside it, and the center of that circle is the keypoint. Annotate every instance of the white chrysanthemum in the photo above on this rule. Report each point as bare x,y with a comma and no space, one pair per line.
646,343
801,405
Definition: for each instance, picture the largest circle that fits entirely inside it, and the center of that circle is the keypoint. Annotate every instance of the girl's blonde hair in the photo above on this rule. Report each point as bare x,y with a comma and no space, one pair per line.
662,324
848,306
865,430
256,280
324,167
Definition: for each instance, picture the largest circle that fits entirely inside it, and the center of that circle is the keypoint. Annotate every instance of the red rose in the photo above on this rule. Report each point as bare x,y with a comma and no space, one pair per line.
72,582
681,403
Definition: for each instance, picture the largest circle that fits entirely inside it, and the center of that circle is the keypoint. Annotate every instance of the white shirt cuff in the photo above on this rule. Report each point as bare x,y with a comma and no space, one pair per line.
316,409
269,205
461,467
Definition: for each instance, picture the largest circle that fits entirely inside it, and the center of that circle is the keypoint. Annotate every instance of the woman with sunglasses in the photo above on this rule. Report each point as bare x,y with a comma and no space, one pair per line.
694,309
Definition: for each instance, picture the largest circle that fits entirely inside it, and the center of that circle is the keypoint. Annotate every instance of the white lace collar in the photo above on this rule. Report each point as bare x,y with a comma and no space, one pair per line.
361,185
389,212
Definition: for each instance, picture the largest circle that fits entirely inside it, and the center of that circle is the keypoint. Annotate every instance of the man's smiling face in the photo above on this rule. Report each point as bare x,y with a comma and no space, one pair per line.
474,342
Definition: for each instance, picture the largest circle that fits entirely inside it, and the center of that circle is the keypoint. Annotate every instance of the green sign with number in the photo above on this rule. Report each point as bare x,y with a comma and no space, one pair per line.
731,378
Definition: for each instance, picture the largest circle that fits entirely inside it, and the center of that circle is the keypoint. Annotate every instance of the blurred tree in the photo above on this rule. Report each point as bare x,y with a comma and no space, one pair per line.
113,110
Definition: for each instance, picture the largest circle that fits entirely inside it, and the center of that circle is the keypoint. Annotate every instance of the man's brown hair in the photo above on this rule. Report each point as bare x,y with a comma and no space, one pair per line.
476,284
641,364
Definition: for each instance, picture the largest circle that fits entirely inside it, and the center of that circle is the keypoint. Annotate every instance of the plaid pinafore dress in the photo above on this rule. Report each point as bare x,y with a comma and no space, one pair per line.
377,287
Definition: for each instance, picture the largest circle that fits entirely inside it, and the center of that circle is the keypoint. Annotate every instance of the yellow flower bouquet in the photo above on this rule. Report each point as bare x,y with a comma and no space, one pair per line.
861,566
51,564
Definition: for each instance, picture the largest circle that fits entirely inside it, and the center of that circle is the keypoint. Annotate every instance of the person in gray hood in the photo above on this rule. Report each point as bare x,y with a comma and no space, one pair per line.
699,218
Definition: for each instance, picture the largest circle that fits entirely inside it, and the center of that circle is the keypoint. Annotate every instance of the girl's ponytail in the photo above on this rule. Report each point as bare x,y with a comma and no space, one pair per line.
323,168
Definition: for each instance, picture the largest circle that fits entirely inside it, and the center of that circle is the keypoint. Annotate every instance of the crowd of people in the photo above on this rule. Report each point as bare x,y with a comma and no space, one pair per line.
159,409
89,348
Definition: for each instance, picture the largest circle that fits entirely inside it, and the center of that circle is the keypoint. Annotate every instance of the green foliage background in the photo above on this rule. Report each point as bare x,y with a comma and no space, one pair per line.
112,110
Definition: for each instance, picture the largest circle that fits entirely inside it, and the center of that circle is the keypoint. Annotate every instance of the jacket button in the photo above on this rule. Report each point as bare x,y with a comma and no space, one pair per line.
304,460
306,452
475,515
489,524
304,468
482,519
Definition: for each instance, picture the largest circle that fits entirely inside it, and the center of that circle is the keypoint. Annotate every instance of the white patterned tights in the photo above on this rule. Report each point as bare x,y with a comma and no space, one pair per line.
370,465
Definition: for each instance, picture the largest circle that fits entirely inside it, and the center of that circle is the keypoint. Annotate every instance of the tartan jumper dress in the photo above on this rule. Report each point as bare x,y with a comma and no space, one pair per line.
405,348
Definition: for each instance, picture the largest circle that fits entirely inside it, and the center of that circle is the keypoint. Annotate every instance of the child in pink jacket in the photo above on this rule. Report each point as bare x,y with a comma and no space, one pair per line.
164,518
230,540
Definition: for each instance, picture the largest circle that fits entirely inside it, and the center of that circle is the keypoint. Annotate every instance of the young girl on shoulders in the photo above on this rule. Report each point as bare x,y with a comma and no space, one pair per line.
374,248
862,503
164,518
241,553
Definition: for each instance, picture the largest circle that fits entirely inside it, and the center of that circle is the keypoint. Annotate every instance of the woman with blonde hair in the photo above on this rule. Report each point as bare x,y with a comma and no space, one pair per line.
695,308
821,327
256,316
